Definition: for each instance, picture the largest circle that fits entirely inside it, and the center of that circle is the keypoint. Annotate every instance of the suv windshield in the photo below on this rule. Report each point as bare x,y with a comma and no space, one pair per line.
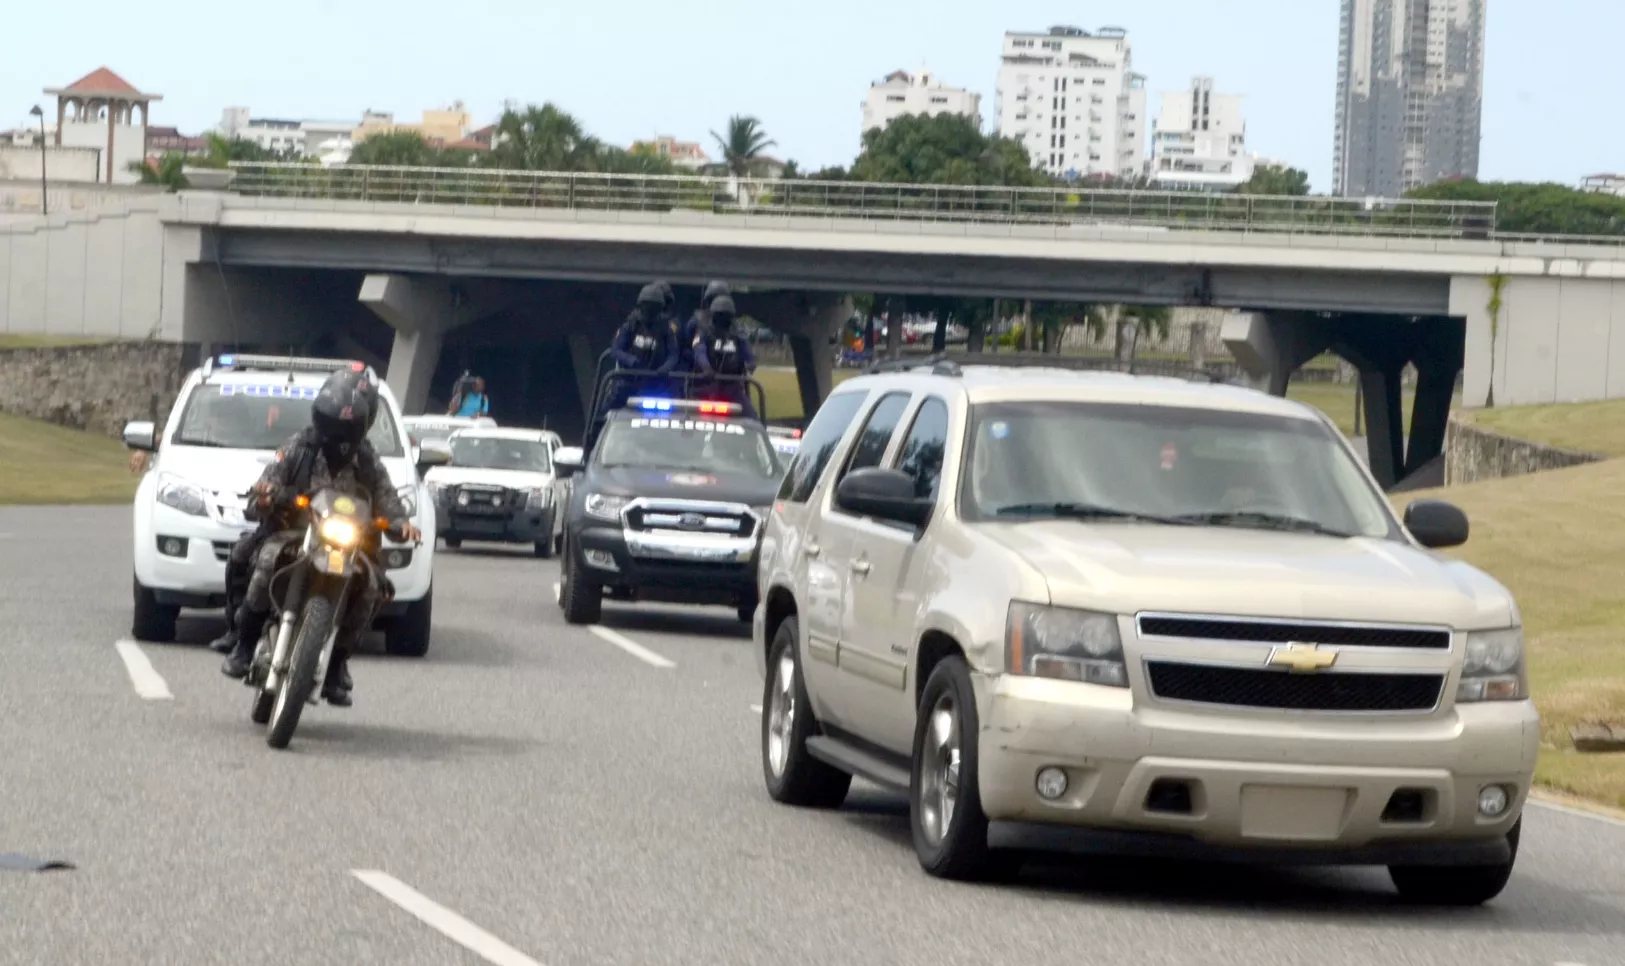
497,453
701,445
1197,467
261,416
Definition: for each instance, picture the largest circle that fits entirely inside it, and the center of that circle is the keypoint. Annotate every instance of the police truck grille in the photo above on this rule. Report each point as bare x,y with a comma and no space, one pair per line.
688,518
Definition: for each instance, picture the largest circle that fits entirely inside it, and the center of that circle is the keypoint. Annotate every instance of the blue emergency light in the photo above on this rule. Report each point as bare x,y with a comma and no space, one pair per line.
226,362
702,406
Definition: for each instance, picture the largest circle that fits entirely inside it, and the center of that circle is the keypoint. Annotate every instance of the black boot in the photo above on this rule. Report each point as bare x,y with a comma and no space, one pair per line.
336,689
249,628
225,643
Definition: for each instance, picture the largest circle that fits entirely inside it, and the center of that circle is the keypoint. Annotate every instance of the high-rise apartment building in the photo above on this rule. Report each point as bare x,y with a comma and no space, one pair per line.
1410,90
904,93
1199,139
1072,99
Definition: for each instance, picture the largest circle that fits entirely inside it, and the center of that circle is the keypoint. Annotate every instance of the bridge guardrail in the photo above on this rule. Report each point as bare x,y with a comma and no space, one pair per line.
867,200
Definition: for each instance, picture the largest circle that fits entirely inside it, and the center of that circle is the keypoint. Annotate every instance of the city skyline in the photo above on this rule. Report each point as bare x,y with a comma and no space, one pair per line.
1281,58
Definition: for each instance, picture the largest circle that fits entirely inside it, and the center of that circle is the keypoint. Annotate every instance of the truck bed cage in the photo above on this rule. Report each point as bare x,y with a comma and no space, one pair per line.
687,385
942,365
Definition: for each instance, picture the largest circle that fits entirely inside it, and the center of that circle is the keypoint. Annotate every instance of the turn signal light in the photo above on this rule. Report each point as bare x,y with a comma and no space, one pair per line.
302,502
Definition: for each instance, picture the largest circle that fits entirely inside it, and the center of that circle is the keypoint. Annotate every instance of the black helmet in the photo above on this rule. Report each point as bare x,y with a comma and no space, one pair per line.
367,387
713,290
651,298
722,310
342,413
667,294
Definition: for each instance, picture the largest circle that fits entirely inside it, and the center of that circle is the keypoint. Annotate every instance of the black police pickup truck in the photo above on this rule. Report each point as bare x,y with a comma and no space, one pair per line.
669,507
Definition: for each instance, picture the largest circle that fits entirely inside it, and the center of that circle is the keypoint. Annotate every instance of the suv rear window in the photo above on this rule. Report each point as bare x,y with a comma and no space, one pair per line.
261,416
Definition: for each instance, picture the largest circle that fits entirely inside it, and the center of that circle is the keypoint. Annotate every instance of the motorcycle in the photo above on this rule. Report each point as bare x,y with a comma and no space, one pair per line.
309,597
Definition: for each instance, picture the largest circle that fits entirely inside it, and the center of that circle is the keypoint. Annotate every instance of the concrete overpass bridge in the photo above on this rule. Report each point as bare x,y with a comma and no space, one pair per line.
534,270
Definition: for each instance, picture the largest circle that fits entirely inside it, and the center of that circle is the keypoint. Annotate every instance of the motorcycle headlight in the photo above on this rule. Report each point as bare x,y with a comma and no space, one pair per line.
606,507
1492,669
340,532
1066,644
178,494
409,499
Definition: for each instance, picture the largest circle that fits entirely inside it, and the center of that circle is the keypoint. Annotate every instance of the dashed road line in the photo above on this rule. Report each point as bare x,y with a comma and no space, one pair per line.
756,708
443,920
556,586
149,684
630,646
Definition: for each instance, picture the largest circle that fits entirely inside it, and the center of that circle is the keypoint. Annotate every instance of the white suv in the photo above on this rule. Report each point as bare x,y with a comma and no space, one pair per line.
1086,608
228,420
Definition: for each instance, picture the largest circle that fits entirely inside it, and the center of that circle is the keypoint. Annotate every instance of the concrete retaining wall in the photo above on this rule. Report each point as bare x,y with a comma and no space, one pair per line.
1473,454
96,388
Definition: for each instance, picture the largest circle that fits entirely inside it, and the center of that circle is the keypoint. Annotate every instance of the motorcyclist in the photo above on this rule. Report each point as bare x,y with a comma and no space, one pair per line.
720,350
240,563
696,322
332,452
645,342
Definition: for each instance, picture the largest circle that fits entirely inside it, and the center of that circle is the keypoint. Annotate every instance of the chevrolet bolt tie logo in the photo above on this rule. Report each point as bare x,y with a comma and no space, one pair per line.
1301,658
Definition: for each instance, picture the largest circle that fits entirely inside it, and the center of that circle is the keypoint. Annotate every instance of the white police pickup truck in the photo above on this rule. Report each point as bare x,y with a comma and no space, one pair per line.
229,418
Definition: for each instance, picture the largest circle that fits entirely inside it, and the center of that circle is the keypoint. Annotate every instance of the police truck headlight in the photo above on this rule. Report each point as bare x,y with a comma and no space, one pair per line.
1493,669
340,532
178,494
1065,644
606,507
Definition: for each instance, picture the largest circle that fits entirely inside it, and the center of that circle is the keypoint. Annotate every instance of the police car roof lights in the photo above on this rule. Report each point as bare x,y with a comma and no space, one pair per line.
702,406
262,363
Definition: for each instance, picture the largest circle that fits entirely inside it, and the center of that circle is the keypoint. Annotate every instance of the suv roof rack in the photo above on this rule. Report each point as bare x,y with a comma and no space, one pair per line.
240,362
943,365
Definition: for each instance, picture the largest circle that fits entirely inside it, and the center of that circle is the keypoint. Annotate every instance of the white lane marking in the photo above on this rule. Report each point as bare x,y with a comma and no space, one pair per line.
149,684
756,708
443,920
1578,812
556,586
630,646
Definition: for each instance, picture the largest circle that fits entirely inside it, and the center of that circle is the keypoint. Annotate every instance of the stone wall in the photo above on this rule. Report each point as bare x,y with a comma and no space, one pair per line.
96,388
1473,454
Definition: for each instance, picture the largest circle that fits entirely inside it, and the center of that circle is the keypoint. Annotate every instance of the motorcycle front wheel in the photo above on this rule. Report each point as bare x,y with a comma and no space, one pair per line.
315,624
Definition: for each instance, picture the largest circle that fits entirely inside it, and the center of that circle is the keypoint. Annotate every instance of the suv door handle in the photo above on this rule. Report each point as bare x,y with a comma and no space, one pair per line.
811,549
860,566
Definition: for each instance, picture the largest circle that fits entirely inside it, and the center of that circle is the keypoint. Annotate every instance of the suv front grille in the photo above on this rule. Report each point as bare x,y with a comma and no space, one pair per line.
1283,691
1289,632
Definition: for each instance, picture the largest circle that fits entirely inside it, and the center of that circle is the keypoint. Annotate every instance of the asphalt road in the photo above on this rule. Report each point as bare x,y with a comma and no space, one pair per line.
548,796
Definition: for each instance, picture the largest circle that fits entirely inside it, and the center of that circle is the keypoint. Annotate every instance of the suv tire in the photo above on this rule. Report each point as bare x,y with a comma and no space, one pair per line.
152,621
582,600
408,635
944,798
1455,885
793,776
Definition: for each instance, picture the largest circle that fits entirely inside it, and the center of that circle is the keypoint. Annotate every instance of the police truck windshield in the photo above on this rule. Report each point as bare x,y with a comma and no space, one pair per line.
680,442
261,416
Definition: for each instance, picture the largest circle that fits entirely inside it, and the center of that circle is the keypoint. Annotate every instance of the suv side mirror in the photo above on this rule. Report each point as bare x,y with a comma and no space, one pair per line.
884,494
567,461
432,453
140,435
1436,524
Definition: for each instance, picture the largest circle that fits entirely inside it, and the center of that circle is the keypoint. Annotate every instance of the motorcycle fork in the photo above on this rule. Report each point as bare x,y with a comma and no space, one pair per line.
295,598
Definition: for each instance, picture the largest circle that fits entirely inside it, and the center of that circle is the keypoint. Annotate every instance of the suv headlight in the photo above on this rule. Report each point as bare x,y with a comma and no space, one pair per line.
606,507
178,494
1493,668
1065,644
409,499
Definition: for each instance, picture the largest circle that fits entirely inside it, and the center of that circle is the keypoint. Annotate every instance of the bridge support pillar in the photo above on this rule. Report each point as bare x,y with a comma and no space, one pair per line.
1270,346
421,311
810,347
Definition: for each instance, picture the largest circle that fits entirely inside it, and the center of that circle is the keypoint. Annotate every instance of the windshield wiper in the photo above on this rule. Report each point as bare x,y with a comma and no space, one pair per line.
1084,511
184,441
1260,520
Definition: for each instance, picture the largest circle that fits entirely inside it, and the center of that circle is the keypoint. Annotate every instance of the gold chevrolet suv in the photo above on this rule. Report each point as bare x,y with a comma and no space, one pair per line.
1147,615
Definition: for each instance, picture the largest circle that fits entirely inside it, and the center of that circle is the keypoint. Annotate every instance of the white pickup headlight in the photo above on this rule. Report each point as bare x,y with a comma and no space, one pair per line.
1492,669
606,507
1062,643
539,497
178,494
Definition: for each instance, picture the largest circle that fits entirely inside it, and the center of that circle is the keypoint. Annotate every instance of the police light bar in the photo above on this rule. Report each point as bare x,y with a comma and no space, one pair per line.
703,407
264,363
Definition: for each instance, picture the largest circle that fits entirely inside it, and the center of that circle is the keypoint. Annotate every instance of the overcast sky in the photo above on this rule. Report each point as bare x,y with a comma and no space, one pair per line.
633,68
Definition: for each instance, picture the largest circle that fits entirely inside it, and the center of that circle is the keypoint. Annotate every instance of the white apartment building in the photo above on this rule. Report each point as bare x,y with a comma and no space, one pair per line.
1199,140
904,93
1073,100
296,138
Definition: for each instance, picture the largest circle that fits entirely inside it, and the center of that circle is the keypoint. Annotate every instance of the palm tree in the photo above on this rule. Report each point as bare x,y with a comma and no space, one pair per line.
167,172
743,146
1133,320
545,138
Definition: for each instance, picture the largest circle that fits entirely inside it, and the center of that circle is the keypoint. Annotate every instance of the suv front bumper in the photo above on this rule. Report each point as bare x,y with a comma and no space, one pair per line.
1256,783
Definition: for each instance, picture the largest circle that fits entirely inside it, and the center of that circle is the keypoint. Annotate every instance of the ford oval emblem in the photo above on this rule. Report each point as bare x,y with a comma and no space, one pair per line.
691,521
